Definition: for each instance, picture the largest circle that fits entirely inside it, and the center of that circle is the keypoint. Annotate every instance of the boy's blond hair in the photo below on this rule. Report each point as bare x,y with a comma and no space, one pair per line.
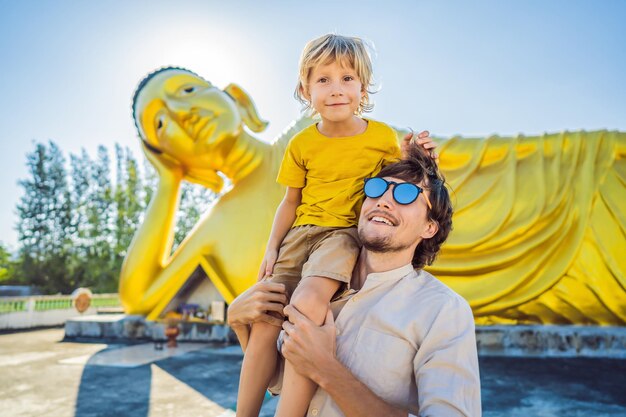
336,48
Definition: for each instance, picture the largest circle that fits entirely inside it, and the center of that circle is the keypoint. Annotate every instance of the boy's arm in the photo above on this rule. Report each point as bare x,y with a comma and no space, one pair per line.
283,220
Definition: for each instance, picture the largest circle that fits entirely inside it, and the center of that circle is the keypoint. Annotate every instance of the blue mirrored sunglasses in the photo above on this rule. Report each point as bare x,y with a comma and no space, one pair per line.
403,192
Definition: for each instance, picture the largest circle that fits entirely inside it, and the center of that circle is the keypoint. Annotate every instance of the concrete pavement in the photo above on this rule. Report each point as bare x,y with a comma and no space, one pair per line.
42,375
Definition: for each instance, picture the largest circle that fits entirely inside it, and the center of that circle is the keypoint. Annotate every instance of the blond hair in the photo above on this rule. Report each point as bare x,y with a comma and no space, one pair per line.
336,48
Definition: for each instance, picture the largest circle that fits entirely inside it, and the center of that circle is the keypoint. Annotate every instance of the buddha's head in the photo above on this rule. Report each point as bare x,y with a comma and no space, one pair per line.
184,119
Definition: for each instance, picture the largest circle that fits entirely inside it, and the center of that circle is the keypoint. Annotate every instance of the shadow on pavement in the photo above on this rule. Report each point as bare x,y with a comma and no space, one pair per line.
217,379
511,387
113,391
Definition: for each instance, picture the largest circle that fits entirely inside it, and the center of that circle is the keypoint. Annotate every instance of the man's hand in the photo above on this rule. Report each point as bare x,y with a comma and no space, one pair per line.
307,346
422,139
256,302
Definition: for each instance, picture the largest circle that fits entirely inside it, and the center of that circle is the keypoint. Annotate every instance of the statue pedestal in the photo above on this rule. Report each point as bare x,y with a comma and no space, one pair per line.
523,341
130,328
552,341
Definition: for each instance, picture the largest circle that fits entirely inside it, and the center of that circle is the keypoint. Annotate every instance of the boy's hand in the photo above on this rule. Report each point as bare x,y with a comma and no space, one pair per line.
267,266
422,139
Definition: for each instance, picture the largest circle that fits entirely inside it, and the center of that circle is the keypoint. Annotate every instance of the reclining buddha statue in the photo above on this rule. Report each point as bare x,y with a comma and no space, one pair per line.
539,230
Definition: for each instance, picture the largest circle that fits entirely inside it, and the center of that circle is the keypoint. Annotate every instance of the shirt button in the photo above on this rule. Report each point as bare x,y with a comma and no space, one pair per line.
314,411
337,332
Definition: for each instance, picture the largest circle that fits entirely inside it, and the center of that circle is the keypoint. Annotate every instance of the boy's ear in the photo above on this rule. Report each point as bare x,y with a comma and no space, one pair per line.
304,92
246,108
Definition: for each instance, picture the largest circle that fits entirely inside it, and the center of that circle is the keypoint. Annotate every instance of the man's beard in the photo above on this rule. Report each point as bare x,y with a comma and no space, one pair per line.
381,244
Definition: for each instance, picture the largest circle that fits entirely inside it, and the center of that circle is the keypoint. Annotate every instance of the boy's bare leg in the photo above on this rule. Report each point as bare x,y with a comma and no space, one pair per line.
259,365
311,298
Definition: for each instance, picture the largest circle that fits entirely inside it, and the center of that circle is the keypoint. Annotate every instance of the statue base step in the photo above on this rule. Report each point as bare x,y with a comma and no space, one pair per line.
135,328
552,341
526,341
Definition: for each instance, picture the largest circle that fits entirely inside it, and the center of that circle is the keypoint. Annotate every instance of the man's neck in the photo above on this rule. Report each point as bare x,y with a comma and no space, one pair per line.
371,262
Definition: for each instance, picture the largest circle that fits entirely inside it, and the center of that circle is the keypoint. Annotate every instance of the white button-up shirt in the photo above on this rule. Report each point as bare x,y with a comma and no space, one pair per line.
411,340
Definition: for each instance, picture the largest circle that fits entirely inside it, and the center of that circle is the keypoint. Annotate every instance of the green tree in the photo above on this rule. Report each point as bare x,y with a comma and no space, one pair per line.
7,265
194,201
45,221
94,260
74,230
103,256
150,183
81,182
128,200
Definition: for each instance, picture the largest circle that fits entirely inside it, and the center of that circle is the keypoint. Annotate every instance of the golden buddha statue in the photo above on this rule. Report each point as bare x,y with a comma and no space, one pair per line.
194,131
539,224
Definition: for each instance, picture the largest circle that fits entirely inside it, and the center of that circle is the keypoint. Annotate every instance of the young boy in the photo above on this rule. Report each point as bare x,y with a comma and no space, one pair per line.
313,245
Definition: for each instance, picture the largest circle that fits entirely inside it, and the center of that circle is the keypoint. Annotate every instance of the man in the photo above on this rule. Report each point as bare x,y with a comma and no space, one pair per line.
402,342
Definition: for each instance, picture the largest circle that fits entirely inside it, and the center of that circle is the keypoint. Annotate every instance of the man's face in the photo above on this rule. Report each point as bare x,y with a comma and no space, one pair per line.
387,226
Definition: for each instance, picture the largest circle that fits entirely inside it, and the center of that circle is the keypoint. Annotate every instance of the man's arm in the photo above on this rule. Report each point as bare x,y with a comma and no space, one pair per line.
351,395
446,364
311,351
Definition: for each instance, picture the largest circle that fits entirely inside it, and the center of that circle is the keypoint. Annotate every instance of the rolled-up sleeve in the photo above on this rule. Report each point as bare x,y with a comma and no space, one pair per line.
446,364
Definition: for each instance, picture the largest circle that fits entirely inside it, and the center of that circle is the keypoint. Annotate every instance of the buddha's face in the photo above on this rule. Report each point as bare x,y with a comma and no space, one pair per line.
185,117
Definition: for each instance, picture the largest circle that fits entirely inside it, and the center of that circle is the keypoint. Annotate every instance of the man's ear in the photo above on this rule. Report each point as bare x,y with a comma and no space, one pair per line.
246,108
431,229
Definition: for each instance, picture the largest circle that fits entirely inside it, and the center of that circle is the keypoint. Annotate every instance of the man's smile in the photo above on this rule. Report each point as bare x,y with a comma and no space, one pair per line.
381,217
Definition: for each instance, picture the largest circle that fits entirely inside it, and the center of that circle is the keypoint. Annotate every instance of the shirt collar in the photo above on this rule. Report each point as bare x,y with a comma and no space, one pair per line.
393,275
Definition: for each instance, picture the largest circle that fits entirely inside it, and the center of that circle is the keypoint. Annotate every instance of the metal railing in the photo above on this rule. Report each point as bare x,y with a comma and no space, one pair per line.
13,304
52,302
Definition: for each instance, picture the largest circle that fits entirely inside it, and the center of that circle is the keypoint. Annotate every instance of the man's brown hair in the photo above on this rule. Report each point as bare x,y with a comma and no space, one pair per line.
416,167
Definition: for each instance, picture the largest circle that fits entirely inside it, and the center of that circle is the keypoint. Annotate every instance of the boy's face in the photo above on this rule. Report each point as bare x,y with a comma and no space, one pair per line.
334,91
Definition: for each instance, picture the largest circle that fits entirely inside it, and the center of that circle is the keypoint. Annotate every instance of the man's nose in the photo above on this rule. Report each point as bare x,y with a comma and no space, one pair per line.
385,200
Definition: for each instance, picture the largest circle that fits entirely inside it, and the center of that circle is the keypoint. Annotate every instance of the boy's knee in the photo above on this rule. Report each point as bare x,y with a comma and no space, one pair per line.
313,304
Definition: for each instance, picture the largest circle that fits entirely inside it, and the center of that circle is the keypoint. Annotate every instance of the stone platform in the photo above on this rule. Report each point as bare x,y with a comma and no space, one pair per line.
552,341
101,328
528,341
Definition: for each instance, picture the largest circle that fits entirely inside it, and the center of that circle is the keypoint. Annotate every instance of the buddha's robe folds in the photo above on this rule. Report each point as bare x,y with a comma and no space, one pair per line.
539,227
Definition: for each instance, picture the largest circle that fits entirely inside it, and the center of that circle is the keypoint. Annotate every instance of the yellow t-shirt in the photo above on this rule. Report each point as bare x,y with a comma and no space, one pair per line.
331,171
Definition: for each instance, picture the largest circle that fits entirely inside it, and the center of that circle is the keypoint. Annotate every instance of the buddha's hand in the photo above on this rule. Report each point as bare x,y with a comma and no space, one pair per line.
164,165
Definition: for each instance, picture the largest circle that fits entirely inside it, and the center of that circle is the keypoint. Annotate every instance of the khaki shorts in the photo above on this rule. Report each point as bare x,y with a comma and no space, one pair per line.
308,251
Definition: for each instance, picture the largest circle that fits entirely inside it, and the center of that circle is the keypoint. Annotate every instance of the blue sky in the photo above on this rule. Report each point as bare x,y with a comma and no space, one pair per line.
68,68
